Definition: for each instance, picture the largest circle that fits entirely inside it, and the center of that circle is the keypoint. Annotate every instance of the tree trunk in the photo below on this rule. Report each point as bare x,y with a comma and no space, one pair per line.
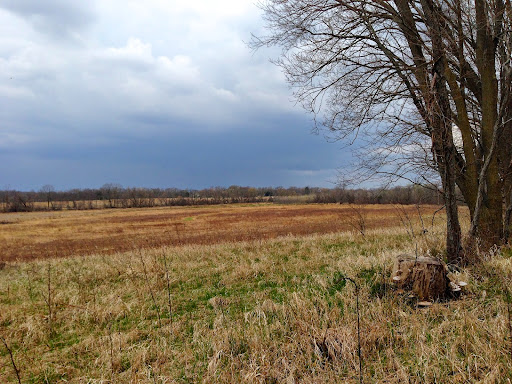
490,229
506,222
490,225
440,121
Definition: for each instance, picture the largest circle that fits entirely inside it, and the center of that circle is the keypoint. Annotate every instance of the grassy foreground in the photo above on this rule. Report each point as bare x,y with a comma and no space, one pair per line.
273,311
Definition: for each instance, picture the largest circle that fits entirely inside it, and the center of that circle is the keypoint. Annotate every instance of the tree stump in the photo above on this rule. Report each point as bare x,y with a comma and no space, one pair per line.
426,277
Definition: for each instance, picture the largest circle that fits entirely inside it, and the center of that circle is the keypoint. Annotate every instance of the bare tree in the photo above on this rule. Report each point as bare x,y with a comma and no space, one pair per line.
425,84
111,192
48,191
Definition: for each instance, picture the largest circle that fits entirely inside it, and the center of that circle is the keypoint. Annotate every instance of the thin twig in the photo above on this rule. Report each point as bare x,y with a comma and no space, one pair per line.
12,360
423,229
509,299
168,286
358,223
48,299
402,215
435,213
111,342
151,290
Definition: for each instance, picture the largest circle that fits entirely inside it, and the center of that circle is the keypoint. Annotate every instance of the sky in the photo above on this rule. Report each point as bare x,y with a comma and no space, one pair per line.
149,93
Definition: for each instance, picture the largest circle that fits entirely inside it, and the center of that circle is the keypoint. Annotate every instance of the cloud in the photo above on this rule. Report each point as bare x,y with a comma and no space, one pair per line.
121,82
286,156
58,18
148,84
135,52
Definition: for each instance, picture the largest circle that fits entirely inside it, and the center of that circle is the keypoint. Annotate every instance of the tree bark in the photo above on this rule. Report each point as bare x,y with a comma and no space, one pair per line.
442,137
426,277
489,225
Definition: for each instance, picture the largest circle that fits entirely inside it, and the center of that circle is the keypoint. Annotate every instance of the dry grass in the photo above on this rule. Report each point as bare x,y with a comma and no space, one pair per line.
28,236
263,311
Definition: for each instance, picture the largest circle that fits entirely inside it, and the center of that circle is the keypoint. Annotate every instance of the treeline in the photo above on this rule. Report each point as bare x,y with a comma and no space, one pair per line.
115,196
412,194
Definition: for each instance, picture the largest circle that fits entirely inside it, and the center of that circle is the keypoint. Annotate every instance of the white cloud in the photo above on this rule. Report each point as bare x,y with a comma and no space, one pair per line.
135,50
164,60
178,70
80,73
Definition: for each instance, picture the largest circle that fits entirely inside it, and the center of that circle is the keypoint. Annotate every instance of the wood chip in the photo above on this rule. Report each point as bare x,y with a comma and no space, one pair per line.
424,304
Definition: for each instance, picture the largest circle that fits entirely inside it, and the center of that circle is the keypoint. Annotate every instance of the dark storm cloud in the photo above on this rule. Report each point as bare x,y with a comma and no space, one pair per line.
284,154
144,101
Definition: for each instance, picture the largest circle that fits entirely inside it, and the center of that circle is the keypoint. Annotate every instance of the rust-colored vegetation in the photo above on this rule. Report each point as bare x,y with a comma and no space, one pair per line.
263,311
35,235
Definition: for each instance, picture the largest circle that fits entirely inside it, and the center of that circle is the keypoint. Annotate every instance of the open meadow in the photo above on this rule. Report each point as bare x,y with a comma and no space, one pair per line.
35,235
241,294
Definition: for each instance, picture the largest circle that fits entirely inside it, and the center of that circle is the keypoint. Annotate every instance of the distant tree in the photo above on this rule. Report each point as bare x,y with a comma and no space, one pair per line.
111,192
20,202
48,190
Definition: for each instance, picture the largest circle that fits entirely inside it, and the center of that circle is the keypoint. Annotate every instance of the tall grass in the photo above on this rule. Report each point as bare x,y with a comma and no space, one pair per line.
272,311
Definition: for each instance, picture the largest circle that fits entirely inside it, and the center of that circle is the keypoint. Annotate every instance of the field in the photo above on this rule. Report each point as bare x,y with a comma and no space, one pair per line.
27,236
241,294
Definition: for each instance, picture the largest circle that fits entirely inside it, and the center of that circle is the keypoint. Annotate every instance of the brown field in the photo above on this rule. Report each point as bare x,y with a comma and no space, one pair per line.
35,235
262,311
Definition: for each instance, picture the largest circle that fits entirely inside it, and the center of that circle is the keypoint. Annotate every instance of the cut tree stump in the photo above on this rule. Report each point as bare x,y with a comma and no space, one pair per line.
426,277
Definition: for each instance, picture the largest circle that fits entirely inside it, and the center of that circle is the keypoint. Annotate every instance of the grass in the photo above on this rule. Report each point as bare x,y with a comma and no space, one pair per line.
263,311
36,235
